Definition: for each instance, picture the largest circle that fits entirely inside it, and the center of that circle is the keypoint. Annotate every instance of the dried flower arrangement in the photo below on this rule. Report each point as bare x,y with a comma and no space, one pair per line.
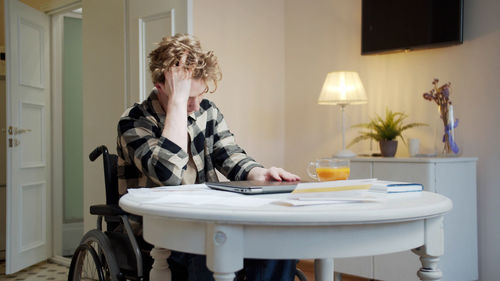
441,95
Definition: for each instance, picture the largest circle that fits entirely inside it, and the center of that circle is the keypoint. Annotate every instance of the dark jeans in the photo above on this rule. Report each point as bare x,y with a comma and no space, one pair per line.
191,267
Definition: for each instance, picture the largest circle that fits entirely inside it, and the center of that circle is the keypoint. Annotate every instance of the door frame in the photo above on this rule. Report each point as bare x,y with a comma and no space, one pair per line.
128,99
57,35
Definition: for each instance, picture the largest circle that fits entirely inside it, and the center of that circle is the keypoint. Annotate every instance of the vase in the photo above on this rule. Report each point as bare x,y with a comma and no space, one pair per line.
450,147
388,147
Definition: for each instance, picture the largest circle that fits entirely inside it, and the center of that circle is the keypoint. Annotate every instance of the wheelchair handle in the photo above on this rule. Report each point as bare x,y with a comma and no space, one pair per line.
97,152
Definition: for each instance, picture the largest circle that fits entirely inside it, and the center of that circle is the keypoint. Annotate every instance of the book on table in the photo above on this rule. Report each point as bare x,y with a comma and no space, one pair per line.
395,186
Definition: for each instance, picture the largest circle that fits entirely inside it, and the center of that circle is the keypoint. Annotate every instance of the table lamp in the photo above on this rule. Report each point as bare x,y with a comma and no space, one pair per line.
342,88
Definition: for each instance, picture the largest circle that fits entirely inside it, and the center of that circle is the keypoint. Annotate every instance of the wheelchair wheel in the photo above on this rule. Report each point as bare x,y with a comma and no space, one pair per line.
85,265
101,245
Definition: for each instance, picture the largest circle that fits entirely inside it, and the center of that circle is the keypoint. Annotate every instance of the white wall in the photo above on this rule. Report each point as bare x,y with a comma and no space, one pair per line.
248,39
325,36
103,91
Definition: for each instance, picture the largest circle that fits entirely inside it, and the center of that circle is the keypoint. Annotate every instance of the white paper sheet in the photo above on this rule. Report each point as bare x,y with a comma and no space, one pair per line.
200,194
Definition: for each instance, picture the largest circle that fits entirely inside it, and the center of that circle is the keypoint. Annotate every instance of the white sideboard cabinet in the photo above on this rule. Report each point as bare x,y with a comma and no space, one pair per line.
452,177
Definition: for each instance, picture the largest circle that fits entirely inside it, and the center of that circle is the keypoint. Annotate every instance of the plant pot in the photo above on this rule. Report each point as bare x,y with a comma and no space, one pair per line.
388,147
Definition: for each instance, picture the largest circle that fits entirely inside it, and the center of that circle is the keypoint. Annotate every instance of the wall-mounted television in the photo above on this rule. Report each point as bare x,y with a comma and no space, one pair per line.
399,25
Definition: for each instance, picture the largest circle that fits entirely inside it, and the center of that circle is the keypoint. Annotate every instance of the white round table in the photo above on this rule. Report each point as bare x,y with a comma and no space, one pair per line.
228,234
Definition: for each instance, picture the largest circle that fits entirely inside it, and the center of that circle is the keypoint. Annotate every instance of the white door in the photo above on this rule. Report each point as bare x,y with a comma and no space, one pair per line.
148,22
28,143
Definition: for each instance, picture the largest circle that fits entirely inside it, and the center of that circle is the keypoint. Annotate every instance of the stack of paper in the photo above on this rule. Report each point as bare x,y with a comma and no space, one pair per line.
332,192
334,186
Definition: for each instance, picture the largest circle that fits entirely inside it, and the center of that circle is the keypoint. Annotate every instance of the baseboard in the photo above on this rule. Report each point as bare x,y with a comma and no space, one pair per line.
61,260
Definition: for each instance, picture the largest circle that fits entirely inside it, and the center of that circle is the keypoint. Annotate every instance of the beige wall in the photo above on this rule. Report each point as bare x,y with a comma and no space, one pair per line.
275,56
325,36
103,90
248,38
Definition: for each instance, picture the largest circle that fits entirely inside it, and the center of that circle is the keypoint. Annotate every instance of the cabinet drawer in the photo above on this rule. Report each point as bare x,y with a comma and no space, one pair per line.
360,170
423,173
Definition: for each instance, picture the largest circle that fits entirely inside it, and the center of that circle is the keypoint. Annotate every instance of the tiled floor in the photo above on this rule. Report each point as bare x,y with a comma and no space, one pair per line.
39,272
52,271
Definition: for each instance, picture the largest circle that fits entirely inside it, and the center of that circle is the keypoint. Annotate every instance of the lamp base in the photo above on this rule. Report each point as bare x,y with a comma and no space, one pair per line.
344,153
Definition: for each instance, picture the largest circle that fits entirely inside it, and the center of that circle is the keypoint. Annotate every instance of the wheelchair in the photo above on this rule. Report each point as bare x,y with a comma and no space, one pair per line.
115,254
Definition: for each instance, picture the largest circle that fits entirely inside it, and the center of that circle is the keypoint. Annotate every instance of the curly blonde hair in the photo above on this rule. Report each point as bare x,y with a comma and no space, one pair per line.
171,49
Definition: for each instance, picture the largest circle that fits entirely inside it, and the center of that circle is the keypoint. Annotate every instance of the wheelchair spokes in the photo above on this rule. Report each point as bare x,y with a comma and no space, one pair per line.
102,258
86,266
94,251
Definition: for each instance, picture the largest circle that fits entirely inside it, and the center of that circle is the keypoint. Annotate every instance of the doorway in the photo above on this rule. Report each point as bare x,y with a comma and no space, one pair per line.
72,134
67,131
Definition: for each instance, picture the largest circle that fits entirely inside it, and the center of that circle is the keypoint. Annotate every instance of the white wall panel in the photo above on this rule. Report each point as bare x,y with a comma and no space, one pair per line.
33,210
31,48
32,142
151,30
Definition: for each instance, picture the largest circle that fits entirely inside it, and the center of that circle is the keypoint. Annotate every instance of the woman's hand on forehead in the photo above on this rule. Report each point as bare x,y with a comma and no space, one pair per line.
177,82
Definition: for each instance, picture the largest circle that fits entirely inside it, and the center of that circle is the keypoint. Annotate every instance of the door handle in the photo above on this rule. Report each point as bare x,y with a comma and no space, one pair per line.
16,131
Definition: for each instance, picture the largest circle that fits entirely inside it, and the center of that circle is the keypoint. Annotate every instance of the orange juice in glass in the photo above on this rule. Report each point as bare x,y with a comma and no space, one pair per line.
329,169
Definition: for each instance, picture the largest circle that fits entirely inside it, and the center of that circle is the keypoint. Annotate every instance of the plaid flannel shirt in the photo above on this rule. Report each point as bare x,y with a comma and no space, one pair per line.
147,159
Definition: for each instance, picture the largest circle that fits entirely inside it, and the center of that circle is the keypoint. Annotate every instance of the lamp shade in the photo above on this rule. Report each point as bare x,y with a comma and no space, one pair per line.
342,88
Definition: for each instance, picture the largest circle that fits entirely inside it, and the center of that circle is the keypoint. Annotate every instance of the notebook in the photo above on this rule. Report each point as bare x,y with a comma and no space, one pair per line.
254,187
396,186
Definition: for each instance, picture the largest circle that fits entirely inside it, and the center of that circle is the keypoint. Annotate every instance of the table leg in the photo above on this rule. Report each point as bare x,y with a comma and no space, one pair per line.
224,249
160,270
323,269
224,276
432,249
429,270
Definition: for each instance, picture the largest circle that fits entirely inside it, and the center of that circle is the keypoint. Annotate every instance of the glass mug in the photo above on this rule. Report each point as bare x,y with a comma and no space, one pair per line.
329,169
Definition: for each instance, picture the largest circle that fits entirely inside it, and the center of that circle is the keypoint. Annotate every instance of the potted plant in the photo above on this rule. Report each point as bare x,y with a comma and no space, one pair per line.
385,131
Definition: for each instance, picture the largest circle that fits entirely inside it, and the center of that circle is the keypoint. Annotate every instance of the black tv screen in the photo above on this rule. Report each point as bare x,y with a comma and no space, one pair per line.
394,25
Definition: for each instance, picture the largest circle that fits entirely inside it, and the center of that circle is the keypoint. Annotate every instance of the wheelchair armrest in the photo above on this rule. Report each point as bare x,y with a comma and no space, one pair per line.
107,210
